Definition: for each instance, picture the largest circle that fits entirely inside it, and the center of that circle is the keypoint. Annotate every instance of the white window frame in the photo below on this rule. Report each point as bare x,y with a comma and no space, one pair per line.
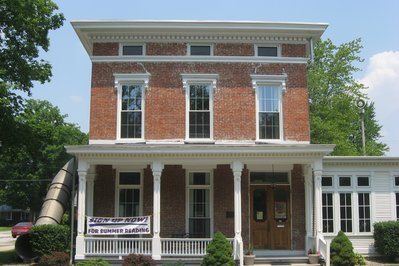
121,45
200,44
199,79
354,190
395,194
118,187
210,187
278,81
130,79
278,46
333,214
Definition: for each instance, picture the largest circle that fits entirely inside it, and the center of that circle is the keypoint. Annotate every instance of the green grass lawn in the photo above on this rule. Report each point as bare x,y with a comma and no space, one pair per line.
5,228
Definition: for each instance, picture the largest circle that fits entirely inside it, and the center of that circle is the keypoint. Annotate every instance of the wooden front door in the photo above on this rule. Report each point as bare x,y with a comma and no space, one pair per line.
270,217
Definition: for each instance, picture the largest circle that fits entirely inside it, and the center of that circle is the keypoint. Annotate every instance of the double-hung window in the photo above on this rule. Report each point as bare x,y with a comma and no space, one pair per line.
131,91
199,204
199,105
129,194
397,196
269,108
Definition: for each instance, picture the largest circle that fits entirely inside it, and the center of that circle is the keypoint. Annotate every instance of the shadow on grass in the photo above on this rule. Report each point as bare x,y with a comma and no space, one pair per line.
9,257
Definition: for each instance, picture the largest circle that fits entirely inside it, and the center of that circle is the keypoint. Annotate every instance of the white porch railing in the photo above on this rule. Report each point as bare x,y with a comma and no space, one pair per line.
324,247
101,246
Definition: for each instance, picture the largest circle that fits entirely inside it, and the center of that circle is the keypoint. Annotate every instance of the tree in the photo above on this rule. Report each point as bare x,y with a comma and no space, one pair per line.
41,134
219,252
333,94
24,28
341,250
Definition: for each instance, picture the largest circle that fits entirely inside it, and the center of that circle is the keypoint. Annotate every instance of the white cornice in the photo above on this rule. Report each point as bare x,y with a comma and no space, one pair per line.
363,161
201,59
198,31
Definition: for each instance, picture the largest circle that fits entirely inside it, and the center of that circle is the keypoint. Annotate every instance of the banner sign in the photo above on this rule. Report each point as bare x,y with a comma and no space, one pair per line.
118,225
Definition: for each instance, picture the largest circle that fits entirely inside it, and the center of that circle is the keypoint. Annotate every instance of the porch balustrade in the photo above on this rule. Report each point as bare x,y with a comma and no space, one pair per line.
101,246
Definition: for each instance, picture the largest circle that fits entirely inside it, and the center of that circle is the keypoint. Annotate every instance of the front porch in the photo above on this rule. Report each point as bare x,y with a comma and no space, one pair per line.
204,189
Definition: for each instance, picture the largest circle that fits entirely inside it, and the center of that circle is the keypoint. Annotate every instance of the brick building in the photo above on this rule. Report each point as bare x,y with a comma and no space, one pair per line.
204,127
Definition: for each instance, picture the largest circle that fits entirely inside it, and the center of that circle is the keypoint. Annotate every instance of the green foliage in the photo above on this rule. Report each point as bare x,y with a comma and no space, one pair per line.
219,252
177,263
49,238
138,260
37,154
333,93
341,251
386,239
54,259
359,259
25,26
93,262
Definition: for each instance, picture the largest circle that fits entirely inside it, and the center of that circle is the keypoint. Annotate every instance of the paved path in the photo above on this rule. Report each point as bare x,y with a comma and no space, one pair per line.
6,241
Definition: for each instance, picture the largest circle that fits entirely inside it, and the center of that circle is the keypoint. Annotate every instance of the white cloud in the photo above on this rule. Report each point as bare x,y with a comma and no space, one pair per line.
382,78
76,99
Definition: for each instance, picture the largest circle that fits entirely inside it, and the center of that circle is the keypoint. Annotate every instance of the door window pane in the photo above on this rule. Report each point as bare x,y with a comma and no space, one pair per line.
259,205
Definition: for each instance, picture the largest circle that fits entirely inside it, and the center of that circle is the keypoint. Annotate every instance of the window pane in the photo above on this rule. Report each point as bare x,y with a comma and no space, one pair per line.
132,50
269,126
346,212
396,180
259,205
199,178
200,50
326,181
199,227
129,202
363,181
344,181
269,178
199,212
267,51
129,178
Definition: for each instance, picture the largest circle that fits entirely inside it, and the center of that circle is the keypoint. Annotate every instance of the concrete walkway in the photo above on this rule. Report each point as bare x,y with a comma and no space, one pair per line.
6,241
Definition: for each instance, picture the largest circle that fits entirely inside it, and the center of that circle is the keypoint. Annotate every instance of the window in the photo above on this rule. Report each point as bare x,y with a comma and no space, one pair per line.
363,181
397,206
328,212
199,105
199,209
344,181
129,194
397,181
200,50
273,178
132,49
269,118
364,212
326,181
131,92
346,211
267,51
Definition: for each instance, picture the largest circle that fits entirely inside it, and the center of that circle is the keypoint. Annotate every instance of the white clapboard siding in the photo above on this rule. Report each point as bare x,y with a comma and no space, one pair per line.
382,197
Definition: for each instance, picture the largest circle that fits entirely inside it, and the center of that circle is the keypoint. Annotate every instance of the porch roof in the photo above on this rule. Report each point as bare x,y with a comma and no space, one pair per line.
204,153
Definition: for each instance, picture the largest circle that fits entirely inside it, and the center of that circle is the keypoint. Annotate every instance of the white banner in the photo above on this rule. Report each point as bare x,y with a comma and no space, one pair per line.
118,225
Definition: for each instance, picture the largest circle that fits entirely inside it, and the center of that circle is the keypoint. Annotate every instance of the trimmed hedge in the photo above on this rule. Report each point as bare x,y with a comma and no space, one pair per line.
219,252
93,262
341,251
386,239
138,260
47,238
54,259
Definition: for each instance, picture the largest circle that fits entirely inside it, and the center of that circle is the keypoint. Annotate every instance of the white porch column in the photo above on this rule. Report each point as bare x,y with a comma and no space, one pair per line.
90,178
307,172
237,167
317,172
157,168
80,245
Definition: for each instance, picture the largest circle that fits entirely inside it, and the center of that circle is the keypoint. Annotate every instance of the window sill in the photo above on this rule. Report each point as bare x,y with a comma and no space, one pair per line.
130,141
199,141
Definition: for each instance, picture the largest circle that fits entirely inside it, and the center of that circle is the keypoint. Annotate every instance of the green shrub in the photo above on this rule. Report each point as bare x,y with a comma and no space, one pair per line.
138,260
386,239
48,238
359,259
93,262
341,251
177,263
219,252
55,259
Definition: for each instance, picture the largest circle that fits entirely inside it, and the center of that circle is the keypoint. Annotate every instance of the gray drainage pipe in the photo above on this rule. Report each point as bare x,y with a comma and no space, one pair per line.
55,204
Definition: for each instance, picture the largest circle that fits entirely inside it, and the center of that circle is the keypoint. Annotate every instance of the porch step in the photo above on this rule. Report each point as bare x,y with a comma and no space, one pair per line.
281,260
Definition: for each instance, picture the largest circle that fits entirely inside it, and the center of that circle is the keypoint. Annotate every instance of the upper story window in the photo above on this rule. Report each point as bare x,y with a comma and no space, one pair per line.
127,49
327,181
200,50
131,92
267,50
344,181
199,105
269,108
363,181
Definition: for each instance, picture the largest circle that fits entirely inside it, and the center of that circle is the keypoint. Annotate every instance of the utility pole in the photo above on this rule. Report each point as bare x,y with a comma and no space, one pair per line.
361,104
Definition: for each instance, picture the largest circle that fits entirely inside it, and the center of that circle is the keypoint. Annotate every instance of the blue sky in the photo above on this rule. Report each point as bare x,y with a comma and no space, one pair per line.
376,22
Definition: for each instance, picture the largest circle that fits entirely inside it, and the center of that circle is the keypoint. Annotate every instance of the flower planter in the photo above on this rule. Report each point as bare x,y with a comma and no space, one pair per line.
313,258
249,259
